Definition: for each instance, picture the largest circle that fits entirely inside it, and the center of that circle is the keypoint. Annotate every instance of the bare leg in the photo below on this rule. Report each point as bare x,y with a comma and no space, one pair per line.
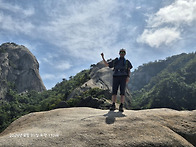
114,98
122,99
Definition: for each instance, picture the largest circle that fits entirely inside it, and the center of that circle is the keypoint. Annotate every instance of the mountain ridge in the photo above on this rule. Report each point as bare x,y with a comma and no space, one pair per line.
172,84
152,69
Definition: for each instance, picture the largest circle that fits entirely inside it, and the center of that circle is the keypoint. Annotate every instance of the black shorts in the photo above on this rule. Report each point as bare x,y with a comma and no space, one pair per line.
119,81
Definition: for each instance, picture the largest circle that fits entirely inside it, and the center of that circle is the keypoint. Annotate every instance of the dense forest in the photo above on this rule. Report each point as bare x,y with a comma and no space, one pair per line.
169,83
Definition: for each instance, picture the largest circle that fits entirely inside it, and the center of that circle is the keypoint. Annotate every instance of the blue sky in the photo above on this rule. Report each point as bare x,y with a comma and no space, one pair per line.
67,36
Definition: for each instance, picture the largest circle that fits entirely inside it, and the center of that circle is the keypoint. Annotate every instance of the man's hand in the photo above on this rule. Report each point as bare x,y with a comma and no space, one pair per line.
127,80
102,55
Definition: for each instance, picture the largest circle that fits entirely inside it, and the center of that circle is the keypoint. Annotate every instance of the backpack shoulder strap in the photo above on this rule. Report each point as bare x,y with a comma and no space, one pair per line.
126,64
115,61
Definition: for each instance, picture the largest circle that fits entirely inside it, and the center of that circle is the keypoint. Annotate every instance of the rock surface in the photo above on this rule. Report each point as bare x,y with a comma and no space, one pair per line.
19,68
84,127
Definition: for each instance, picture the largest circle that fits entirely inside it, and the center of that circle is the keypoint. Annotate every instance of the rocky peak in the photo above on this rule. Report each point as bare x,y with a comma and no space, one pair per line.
19,68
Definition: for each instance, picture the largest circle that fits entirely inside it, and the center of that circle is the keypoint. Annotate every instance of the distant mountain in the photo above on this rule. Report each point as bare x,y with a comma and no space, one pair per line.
19,70
167,83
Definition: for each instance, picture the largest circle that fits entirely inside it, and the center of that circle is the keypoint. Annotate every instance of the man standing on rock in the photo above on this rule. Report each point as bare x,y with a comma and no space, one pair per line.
121,77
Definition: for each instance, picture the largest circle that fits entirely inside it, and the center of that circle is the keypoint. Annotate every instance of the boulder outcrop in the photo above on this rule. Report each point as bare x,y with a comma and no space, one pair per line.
19,69
100,77
84,127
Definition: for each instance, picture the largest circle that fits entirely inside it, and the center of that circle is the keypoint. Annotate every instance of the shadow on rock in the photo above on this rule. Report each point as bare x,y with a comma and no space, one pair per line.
111,116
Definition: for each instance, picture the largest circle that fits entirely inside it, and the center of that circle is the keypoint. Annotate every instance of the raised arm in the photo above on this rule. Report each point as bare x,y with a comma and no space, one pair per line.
106,64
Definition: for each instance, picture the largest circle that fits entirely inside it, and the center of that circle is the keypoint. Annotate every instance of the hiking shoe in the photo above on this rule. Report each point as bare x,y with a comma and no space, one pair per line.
113,107
121,108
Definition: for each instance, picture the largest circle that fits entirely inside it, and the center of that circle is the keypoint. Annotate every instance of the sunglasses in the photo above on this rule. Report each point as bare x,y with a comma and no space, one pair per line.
122,52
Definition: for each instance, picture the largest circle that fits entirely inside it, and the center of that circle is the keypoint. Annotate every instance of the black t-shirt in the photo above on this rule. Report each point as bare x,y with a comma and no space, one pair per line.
120,66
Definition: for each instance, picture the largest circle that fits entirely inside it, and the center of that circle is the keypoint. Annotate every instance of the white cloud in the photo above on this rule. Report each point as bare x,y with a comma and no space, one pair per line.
48,77
62,65
79,29
178,13
25,12
138,7
55,61
166,26
17,26
155,38
9,21
85,29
